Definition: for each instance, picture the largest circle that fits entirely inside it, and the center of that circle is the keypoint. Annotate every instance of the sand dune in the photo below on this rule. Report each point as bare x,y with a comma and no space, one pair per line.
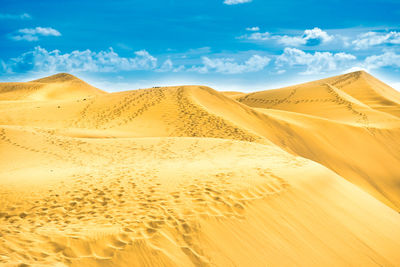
188,176
331,98
59,86
344,134
170,111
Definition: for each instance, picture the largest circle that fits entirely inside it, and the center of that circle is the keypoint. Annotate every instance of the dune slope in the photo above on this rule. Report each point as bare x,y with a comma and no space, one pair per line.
319,121
122,201
368,158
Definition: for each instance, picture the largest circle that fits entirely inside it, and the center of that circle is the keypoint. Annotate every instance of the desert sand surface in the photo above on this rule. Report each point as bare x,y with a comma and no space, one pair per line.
307,175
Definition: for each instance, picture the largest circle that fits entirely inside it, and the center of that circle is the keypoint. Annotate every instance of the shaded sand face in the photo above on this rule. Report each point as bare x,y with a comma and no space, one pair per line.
185,176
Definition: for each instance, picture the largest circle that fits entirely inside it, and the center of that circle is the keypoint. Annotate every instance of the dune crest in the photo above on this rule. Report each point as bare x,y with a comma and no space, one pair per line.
188,176
59,77
369,90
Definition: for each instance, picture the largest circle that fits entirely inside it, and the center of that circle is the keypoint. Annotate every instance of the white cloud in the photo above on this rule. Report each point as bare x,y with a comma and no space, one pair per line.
230,66
314,36
41,60
317,34
369,39
168,66
236,2
280,71
41,31
14,16
3,67
387,59
259,36
253,29
25,37
32,34
310,37
319,62
290,40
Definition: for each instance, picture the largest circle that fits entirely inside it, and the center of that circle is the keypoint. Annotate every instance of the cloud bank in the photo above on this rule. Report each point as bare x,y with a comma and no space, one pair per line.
387,59
319,62
366,40
41,60
201,61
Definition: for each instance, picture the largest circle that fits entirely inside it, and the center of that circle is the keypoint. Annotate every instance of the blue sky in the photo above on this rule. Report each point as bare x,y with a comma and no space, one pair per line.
241,45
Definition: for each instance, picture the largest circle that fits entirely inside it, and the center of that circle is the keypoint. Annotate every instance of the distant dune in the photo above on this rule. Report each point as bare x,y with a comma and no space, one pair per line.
350,98
307,175
59,86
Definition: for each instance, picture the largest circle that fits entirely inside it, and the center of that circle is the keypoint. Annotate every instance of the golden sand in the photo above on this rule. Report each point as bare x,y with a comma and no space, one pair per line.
307,175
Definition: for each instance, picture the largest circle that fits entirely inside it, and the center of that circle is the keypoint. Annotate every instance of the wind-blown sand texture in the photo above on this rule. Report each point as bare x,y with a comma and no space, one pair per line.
307,175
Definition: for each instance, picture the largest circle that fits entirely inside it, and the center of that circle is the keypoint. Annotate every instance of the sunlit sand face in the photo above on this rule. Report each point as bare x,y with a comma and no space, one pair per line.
189,176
